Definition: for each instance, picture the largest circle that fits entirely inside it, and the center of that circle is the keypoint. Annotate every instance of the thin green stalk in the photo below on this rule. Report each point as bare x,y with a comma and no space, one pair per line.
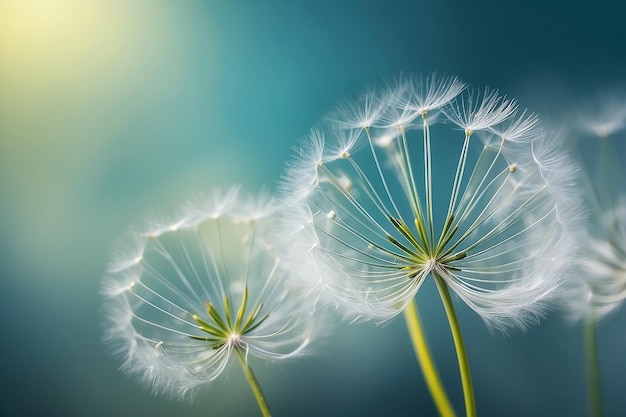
466,377
594,392
420,346
254,384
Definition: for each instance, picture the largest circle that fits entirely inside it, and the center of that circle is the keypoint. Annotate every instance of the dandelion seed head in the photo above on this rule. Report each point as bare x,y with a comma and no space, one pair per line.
504,243
208,286
598,286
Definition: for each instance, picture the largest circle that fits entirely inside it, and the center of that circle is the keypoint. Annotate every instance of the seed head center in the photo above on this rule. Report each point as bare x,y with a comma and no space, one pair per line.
234,339
430,264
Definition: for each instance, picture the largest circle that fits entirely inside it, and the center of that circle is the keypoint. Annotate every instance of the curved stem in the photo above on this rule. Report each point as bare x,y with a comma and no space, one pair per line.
254,384
466,377
594,392
420,346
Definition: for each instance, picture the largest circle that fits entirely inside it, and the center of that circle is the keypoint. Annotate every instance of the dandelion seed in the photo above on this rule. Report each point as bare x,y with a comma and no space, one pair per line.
431,93
209,289
365,114
479,111
524,128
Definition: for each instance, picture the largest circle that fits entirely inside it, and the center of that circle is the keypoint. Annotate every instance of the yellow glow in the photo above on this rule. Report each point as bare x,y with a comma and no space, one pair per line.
59,57
43,42
73,75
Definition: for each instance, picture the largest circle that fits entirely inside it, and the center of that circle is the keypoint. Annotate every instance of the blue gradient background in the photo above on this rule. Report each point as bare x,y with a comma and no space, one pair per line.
111,108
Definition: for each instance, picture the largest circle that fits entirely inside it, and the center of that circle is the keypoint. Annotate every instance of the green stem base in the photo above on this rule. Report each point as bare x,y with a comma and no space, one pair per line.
425,360
461,353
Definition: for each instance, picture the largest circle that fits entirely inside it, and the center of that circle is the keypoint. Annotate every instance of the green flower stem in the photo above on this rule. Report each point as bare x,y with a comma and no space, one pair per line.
254,384
593,372
466,377
420,346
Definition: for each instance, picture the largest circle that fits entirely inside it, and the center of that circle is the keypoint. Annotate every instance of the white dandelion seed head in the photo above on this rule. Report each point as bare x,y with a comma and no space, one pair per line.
201,291
502,241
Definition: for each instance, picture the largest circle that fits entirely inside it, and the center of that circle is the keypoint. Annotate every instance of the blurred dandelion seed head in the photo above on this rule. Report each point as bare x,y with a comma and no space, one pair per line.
186,293
598,287
503,240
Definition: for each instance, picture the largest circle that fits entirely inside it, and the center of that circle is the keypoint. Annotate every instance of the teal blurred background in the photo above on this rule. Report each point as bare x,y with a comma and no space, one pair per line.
109,109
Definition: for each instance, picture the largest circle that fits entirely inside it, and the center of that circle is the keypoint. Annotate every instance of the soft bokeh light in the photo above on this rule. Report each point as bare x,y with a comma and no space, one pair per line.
75,79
